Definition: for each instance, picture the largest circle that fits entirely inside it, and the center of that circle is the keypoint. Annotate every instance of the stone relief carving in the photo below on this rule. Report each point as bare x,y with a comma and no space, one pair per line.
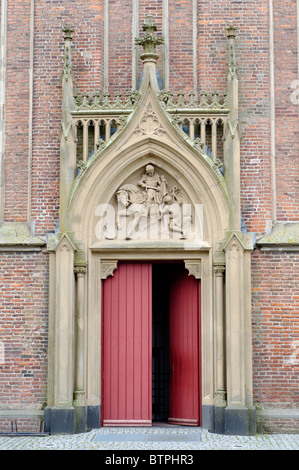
152,209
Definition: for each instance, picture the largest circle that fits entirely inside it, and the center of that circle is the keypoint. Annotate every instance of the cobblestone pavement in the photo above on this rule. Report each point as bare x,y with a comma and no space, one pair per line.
154,438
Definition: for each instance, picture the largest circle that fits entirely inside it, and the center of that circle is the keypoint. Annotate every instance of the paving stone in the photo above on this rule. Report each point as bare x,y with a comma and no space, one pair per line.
147,437
151,438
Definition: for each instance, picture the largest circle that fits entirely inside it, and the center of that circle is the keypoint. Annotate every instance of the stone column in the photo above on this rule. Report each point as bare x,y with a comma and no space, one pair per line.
79,393
220,385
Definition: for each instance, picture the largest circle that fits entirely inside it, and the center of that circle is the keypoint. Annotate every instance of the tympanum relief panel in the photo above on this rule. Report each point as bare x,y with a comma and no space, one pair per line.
149,205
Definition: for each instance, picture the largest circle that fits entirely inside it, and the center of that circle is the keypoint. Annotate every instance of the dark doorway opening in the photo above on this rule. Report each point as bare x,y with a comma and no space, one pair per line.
161,371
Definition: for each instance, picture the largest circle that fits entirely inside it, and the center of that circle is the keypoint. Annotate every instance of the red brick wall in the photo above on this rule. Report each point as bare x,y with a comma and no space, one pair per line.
86,18
23,329
17,111
21,425
120,47
287,119
24,276
252,45
181,47
275,306
251,18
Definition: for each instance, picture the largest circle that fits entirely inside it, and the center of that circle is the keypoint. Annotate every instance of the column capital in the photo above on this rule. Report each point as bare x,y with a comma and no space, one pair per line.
219,270
80,270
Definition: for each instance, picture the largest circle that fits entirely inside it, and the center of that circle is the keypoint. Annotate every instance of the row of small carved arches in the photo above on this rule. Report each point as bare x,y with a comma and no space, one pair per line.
112,123
90,132
203,121
103,124
206,129
103,129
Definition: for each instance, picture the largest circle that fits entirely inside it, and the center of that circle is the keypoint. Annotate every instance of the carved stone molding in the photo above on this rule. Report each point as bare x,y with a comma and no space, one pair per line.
108,267
65,244
149,124
194,268
234,246
64,247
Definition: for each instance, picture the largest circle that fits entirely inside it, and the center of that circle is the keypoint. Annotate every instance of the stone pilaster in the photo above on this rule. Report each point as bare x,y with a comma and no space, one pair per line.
59,415
239,413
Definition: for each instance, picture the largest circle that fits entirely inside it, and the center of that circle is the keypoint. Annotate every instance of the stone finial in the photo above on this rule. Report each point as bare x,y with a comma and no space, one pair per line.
67,65
149,25
232,63
231,31
149,41
68,32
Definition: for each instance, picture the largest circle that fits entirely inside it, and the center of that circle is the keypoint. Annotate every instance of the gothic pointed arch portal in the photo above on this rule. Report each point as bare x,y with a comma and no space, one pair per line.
146,194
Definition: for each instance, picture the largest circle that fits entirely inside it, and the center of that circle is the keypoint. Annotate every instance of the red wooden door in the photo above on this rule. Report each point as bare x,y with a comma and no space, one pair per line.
184,309
127,346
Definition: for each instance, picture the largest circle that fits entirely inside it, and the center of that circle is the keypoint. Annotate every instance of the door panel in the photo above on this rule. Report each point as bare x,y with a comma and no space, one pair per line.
127,346
184,305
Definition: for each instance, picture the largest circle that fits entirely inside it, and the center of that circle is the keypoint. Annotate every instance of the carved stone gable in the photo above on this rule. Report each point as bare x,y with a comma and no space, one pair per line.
65,244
